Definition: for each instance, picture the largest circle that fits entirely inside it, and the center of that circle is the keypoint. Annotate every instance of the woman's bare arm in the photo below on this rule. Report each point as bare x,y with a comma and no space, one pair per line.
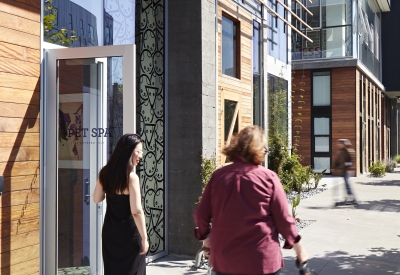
98,194
137,210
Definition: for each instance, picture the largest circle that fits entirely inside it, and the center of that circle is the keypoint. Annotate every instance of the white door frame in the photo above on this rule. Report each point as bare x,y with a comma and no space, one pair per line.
48,137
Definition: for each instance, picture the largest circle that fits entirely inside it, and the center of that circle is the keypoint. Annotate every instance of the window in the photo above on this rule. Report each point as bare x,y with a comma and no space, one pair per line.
278,103
258,105
332,30
314,21
230,49
107,35
231,119
321,89
91,32
56,17
321,115
70,25
321,134
81,25
277,38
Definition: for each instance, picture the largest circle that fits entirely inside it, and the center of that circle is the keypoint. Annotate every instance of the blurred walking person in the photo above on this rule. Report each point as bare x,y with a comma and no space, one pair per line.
247,206
343,167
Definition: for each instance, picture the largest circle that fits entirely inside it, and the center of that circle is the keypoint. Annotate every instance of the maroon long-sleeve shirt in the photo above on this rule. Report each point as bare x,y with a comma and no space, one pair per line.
247,207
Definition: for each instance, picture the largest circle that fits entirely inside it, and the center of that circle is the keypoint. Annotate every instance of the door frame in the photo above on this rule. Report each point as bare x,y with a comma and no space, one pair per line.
48,137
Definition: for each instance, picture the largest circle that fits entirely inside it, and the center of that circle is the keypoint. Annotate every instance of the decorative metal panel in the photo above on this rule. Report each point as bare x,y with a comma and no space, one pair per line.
150,30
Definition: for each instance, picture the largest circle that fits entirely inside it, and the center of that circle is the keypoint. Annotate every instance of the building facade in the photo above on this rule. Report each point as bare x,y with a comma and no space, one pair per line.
338,83
390,72
72,83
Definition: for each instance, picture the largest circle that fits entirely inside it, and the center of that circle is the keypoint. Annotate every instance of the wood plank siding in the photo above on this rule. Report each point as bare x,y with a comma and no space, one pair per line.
235,88
344,106
359,113
19,136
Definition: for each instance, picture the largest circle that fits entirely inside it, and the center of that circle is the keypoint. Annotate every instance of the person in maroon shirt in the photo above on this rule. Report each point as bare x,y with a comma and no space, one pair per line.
247,207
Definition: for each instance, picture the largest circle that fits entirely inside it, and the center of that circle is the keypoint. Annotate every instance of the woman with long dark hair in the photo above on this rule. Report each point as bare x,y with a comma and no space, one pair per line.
124,233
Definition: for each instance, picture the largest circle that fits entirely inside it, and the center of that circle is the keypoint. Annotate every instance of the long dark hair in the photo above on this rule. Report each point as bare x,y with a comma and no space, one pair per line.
114,176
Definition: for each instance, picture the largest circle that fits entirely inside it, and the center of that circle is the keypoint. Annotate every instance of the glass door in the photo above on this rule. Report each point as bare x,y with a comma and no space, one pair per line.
89,102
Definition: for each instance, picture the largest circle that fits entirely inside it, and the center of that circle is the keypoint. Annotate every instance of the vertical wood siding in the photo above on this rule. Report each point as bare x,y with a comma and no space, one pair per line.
242,86
19,136
346,110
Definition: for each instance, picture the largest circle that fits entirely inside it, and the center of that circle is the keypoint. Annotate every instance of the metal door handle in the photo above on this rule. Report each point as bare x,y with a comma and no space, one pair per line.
87,195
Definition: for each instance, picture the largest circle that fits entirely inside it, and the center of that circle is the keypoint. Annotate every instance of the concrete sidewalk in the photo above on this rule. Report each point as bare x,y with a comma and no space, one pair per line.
343,240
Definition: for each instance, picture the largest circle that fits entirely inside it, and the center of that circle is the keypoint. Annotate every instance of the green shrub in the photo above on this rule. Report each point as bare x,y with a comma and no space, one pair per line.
377,168
397,158
208,166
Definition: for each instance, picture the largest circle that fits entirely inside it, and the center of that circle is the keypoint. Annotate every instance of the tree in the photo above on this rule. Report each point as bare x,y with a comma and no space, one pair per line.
51,33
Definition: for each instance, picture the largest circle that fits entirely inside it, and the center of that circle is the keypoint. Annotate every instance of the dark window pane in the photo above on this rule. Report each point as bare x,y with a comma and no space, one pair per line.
56,16
91,32
228,47
314,20
257,103
229,111
70,22
81,22
278,103
256,47
107,35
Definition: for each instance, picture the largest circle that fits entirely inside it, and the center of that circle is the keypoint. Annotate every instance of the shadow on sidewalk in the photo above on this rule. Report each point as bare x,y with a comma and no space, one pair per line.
381,206
381,183
176,264
380,261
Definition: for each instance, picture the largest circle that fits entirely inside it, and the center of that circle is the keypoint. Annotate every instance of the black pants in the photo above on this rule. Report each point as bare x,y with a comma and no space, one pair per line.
276,273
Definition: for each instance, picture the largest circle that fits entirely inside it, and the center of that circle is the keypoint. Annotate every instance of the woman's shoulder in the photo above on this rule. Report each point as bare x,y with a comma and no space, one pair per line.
133,176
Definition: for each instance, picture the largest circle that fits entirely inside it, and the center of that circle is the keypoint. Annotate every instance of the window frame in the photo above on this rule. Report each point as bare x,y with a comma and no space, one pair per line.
81,26
226,95
91,32
70,22
237,42
321,112
259,109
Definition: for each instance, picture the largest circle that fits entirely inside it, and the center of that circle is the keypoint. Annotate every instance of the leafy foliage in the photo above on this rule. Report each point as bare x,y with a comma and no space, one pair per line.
52,34
208,166
377,168
397,158
295,202
293,175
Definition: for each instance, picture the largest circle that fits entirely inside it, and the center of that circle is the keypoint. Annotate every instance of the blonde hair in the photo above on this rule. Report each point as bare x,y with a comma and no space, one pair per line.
248,145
